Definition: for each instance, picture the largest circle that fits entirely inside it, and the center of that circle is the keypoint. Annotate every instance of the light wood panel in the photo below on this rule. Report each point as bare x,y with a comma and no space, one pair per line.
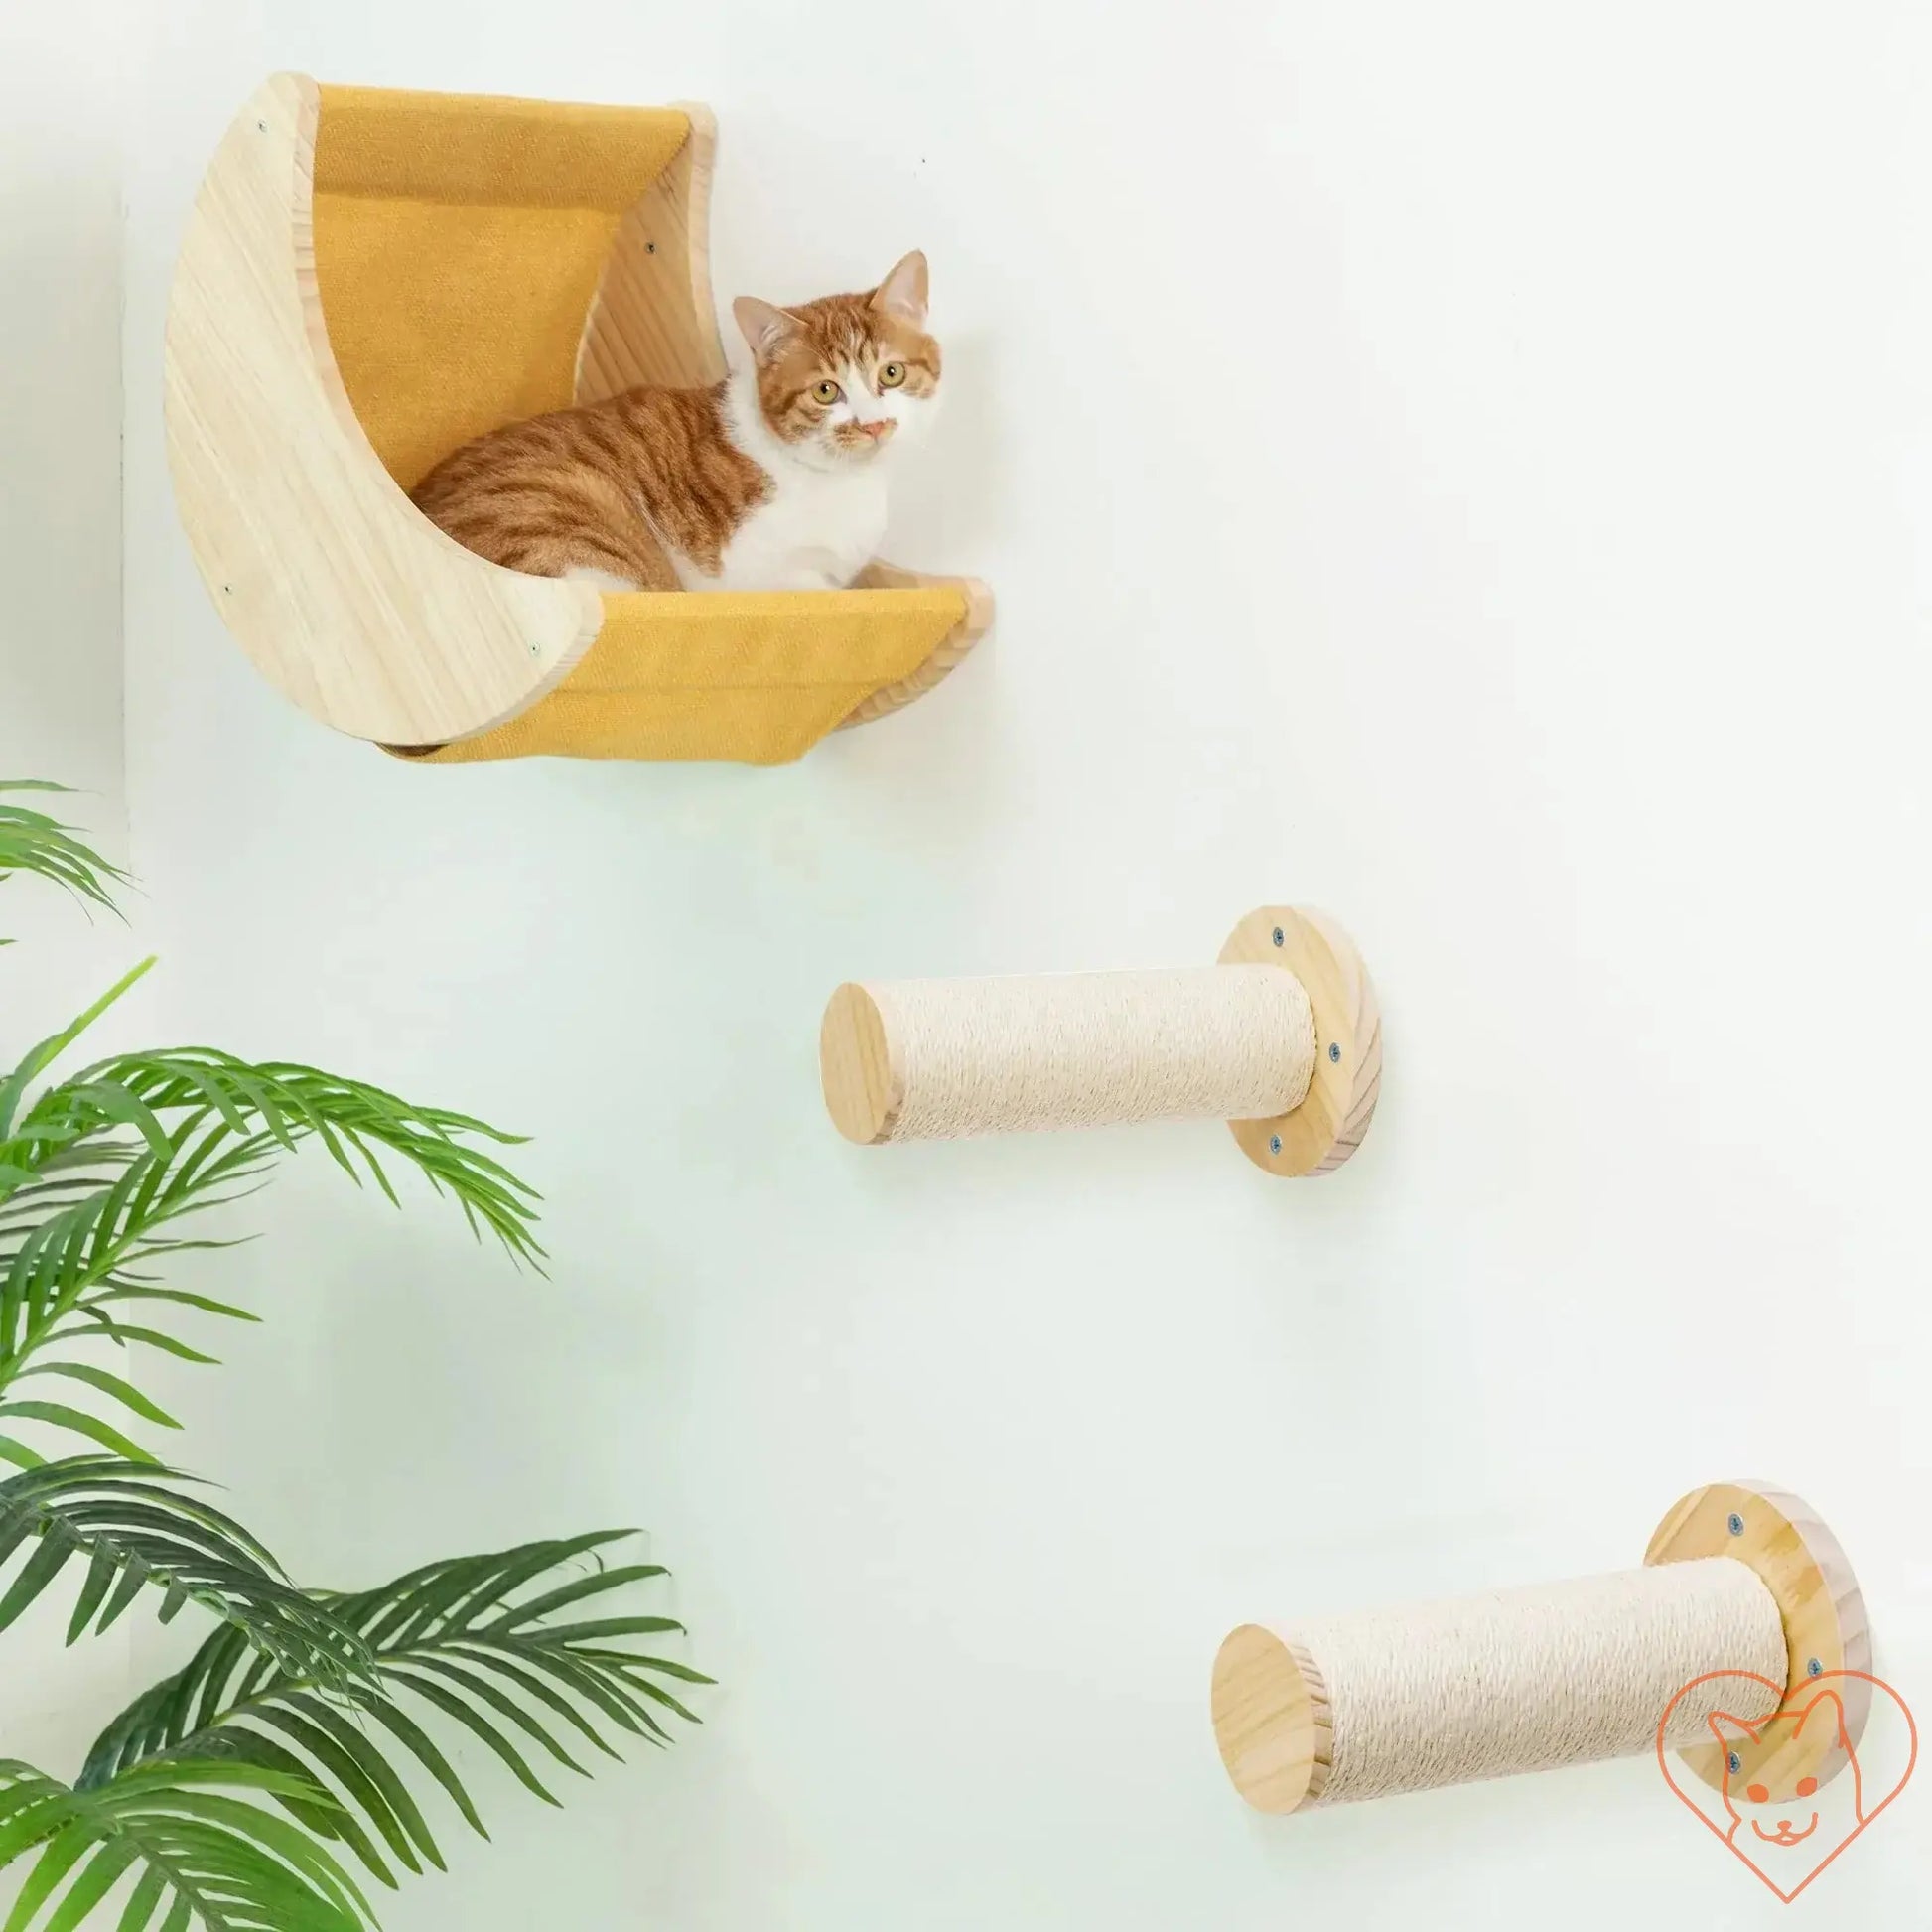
881,576
652,323
345,598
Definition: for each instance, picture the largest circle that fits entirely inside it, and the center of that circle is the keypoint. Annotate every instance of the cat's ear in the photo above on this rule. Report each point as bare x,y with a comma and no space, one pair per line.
904,292
767,327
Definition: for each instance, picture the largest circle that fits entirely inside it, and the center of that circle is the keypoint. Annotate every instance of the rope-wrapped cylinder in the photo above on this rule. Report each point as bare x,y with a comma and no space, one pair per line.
1279,1040
1722,1618
1085,1049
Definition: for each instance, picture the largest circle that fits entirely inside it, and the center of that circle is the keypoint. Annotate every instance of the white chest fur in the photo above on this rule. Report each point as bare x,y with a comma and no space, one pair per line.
815,532
817,527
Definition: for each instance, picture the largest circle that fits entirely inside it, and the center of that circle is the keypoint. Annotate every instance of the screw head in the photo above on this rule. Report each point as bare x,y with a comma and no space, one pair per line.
1279,937
1334,1053
1736,1762
1813,1668
1274,1144
650,247
1736,1524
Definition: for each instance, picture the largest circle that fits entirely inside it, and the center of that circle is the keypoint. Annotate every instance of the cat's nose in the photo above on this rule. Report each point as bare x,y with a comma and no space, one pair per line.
878,431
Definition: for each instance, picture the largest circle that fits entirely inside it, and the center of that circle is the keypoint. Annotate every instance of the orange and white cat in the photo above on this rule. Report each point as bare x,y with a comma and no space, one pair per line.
775,479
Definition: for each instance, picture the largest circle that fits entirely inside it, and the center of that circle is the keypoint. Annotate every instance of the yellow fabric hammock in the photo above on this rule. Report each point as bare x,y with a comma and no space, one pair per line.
371,278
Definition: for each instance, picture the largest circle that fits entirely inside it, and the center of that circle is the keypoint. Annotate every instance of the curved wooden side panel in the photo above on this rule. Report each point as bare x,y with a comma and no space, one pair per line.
881,576
652,323
344,597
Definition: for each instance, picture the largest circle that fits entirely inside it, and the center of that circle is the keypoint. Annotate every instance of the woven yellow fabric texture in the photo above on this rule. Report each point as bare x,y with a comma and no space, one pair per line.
459,243
755,676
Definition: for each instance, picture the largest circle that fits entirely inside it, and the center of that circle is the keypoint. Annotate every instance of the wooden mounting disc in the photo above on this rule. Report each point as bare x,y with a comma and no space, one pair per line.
1825,1629
1328,1127
1272,1719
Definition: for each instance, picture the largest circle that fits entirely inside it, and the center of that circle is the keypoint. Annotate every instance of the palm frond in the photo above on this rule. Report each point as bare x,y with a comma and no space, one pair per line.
499,1645
205,1856
117,1158
32,842
78,1249
130,1525
272,1105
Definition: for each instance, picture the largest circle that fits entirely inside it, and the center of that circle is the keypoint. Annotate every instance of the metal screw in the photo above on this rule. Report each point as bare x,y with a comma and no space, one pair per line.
536,651
650,247
1736,1762
1274,1144
1736,1524
228,590
1334,1053
261,127
1813,1668
1280,936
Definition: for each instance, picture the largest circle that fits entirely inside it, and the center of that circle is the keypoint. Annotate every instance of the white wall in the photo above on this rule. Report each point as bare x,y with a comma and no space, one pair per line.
60,616
1467,467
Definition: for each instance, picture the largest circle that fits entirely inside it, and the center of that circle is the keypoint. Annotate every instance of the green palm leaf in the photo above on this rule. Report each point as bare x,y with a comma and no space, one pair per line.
279,1103
117,1160
205,1856
32,842
473,1640
131,1525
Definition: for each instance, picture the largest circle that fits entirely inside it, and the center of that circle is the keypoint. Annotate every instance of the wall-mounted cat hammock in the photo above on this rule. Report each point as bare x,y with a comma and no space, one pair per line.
1738,1580
1280,1039
368,280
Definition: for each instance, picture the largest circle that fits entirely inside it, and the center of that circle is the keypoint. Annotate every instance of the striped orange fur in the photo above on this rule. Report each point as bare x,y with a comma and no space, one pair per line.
769,479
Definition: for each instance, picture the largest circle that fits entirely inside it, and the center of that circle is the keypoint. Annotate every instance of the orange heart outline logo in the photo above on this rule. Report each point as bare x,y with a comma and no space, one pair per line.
1812,1701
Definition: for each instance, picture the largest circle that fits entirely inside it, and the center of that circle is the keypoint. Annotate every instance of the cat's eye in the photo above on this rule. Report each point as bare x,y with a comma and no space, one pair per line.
1806,1786
891,375
827,392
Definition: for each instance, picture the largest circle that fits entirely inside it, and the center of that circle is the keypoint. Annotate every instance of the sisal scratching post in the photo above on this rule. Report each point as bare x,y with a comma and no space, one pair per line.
1737,1579
1280,1039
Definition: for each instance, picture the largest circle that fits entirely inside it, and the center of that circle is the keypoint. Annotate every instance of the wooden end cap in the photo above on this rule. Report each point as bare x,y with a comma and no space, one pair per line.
1272,1719
864,1090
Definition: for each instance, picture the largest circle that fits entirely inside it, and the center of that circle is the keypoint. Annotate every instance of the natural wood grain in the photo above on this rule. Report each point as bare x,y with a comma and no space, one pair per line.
1784,1540
1328,1126
345,598
1272,1723
880,576
863,1081
652,323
